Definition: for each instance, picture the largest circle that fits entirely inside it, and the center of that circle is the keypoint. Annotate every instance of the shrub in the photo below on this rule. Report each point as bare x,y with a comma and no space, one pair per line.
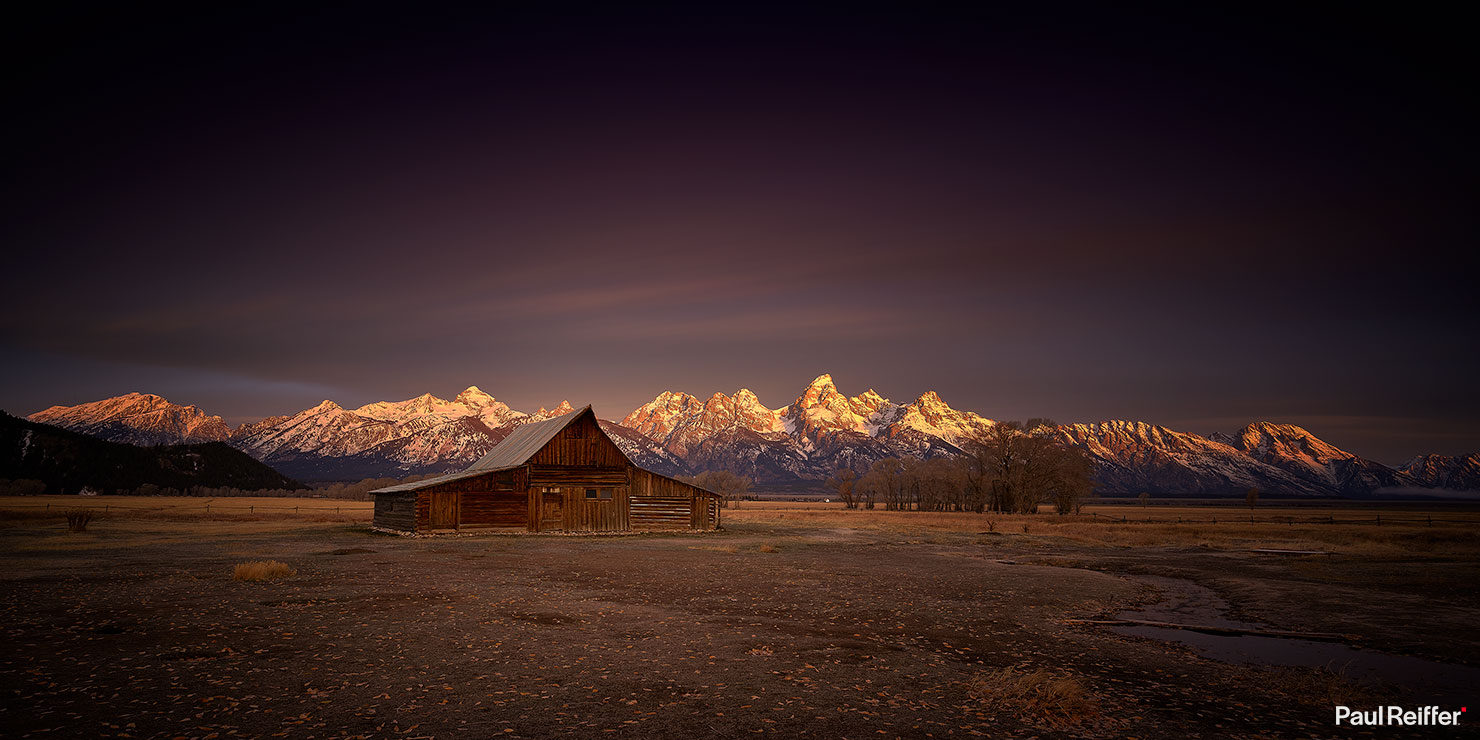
77,519
260,570
768,548
1038,697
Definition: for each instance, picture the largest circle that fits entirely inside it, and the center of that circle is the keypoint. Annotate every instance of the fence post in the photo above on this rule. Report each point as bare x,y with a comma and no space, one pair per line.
1379,520
252,509
1431,520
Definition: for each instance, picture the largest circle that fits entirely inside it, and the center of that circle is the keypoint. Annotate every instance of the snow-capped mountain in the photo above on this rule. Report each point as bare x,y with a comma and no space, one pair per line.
1132,457
425,434
420,435
1460,472
798,444
137,419
810,438
1316,462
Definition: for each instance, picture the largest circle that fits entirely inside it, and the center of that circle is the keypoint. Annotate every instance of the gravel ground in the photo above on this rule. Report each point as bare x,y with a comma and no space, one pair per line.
138,631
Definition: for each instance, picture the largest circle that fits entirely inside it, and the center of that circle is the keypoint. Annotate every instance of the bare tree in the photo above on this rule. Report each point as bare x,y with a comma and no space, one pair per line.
886,479
1252,498
1144,498
729,486
1015,467
843,481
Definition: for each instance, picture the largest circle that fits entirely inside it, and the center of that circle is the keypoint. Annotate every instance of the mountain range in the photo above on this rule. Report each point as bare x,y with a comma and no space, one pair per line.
799,444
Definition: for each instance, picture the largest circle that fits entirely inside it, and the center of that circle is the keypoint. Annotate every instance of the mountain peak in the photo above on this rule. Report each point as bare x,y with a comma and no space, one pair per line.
325,405
930,398
820,391
473,396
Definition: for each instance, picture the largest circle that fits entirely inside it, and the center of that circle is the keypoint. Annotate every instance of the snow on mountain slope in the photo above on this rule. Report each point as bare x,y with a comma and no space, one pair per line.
1455,472
808,439
139,419
472,402
680,422
424,434
542,414
1133,457
1314,461
643,452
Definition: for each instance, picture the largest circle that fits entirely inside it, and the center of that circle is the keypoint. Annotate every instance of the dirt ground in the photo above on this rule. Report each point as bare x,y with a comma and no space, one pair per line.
136,629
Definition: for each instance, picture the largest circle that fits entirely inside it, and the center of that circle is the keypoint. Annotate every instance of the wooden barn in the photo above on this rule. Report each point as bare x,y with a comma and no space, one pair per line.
559,475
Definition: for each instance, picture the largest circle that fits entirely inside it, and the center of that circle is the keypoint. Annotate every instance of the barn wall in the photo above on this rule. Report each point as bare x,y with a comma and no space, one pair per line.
551,475
581,444
396,511
599,515
490,510
673,505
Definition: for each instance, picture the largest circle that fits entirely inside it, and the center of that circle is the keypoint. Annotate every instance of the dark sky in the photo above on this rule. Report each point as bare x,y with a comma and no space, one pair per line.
1195,220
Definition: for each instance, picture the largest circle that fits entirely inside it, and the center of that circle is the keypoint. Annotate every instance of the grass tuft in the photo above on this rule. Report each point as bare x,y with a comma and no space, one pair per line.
77,519
1037,697
769,548
260,570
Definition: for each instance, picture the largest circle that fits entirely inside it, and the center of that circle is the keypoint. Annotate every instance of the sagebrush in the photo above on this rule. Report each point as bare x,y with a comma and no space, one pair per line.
1038,697
261,570
77,519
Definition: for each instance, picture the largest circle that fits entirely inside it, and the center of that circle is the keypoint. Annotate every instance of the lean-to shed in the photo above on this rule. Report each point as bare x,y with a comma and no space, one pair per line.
559,475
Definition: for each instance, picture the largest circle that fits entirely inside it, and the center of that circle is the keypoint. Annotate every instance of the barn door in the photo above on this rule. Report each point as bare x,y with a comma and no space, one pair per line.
443,511
552,509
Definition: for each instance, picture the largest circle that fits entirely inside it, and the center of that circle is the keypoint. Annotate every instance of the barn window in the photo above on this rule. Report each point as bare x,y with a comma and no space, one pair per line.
551,489
503,481
599,494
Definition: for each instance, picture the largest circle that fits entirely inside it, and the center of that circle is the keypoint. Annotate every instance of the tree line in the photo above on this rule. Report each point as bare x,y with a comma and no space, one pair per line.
1012,469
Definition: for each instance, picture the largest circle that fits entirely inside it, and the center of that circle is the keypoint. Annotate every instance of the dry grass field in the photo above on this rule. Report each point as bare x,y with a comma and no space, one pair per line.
1444,533
798,620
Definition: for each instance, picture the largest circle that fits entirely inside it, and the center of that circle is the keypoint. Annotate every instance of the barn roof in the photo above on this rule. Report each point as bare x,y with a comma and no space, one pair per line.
522,443
513,451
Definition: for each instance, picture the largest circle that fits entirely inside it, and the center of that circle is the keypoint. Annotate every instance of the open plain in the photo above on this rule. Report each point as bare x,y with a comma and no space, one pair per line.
795,620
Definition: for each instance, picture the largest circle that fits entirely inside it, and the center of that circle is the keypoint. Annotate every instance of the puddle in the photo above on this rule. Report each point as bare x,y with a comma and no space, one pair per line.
1185,602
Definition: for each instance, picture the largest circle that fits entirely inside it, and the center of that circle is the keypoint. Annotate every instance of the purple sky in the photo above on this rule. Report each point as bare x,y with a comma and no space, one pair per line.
1196,221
